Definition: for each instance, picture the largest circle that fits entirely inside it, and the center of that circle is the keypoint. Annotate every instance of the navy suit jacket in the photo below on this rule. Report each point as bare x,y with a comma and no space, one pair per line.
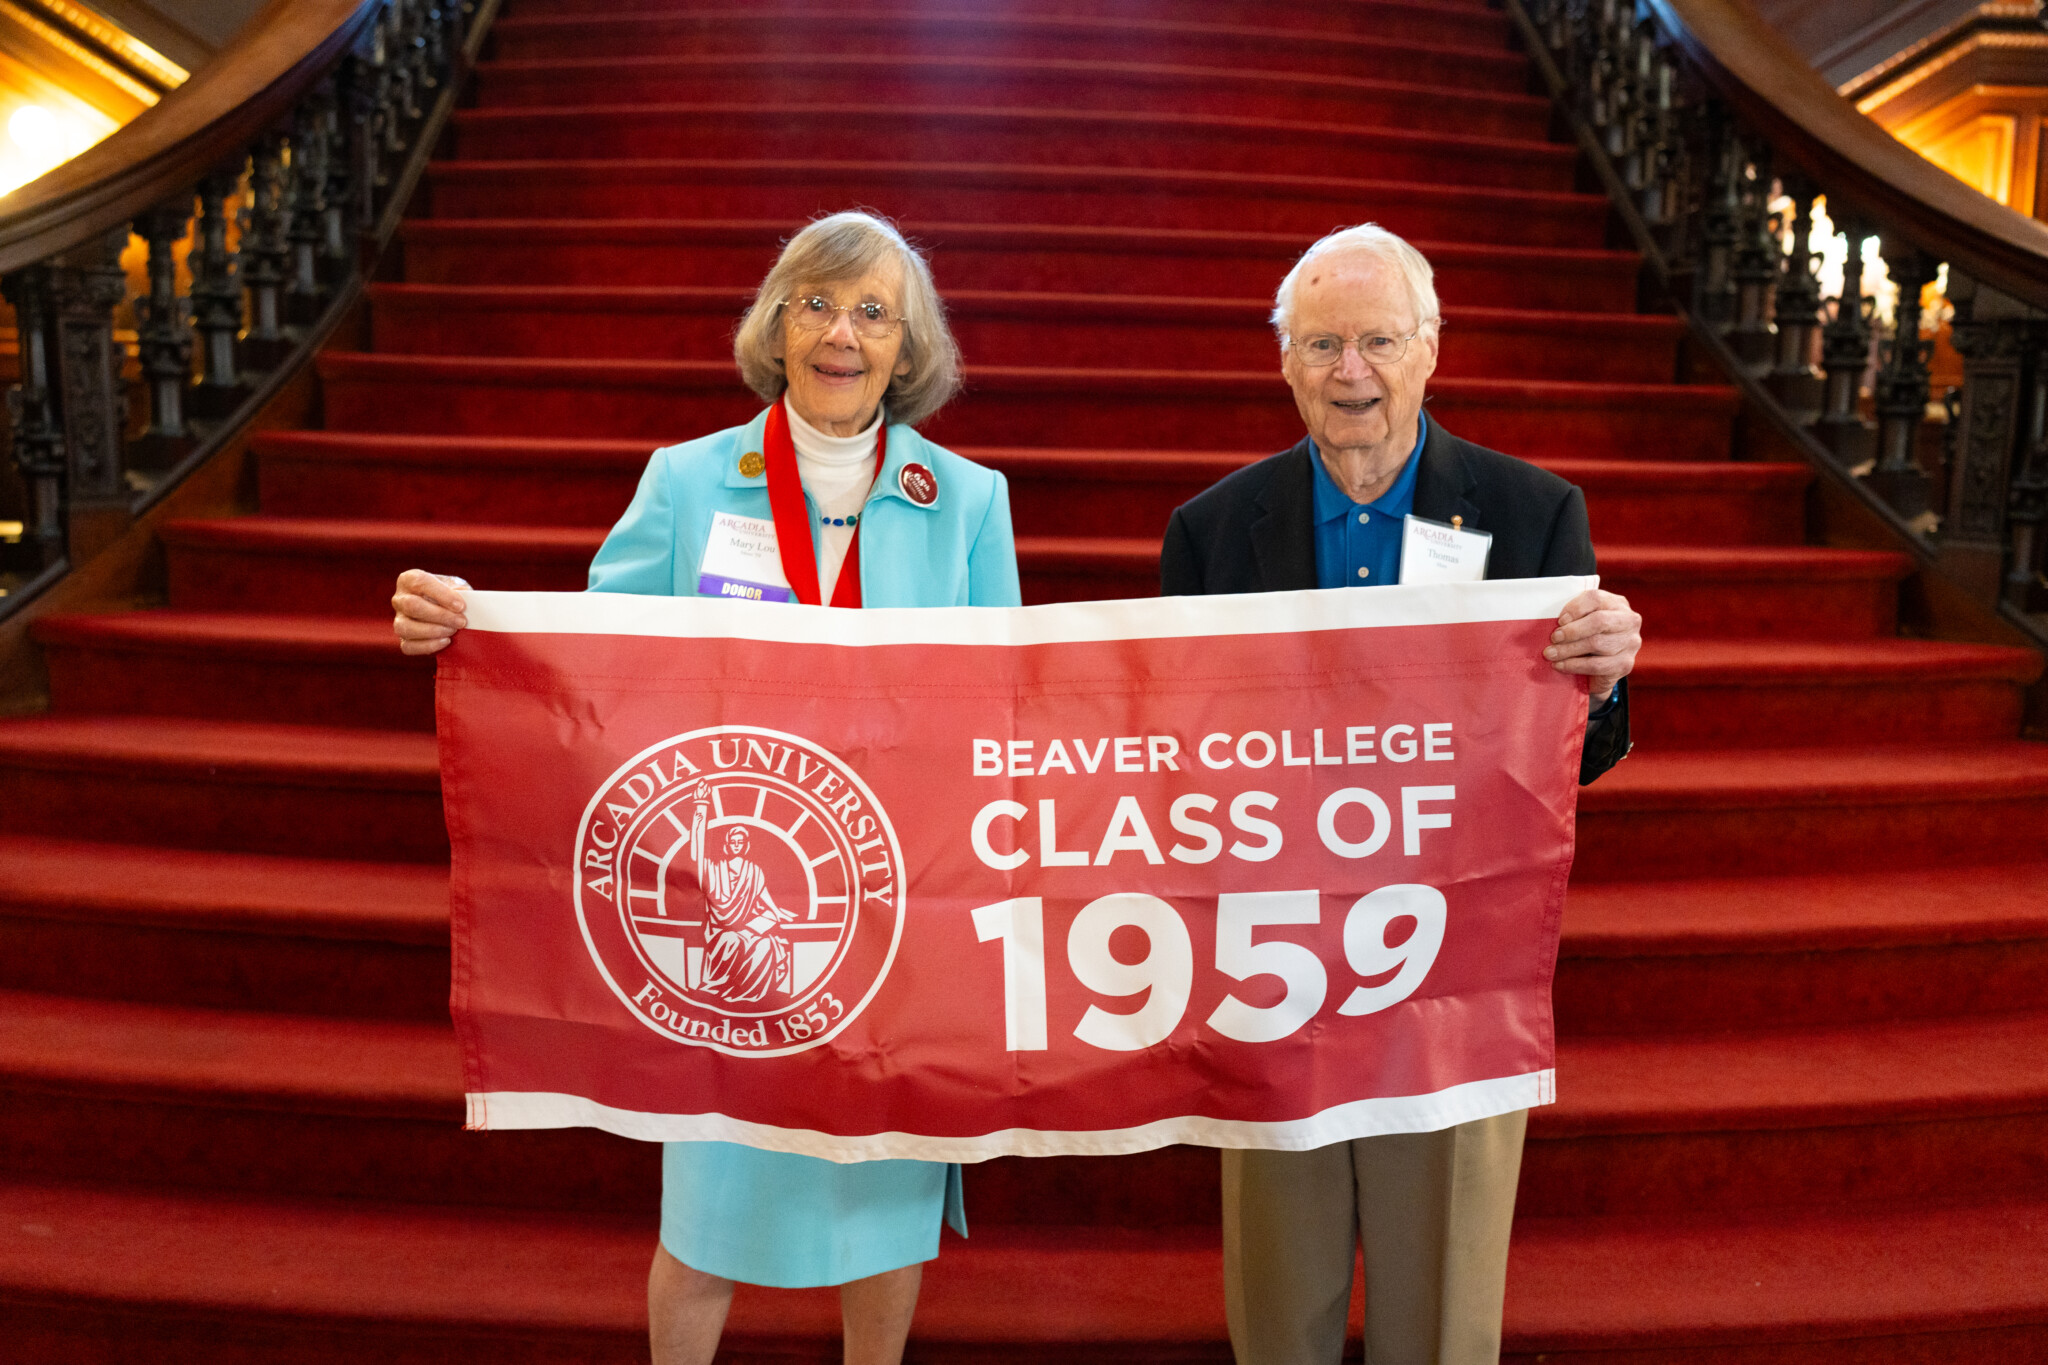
1254,531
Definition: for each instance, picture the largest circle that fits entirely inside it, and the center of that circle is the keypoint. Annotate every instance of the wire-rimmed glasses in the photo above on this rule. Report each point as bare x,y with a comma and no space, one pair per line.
1374,348
814,312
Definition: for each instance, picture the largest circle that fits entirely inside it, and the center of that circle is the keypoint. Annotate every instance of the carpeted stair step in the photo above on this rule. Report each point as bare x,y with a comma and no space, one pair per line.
1270,12
372,1108
1114,332
340,937
1444,46
904,79
223,929
1803,1073
1359,16
303,790
333,1281
530,481
1144,408
1793,591
1911,1284
1819,950
757,130
1239,410
240,1280
280,1104
1873,1113
1026,257
204,1279
1710,693
348,568
248,666
487,480
792,191
290,670
1766,591
1721,693
1122,492
1701,813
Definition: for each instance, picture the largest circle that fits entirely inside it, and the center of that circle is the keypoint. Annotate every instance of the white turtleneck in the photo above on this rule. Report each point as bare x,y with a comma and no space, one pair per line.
837,471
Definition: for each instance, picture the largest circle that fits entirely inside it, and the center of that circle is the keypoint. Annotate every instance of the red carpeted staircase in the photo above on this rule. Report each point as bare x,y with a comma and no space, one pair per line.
1803,1087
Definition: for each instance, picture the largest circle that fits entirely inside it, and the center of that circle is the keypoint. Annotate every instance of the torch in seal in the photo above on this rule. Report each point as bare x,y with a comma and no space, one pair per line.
700,819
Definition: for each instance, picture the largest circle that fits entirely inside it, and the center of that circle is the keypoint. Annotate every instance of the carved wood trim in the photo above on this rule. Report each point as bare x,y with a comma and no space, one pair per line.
1808,123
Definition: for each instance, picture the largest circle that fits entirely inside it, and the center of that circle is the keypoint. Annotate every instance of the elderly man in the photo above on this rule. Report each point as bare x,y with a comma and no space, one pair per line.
1358,325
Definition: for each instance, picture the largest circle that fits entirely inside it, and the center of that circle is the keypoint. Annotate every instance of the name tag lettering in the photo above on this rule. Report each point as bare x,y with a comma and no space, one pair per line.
1432,552
743,560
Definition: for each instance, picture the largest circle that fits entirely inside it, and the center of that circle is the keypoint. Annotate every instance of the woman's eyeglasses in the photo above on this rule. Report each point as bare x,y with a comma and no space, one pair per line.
813,312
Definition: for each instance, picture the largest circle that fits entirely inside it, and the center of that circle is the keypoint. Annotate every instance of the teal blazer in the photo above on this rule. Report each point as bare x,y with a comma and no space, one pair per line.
773,1217
957,552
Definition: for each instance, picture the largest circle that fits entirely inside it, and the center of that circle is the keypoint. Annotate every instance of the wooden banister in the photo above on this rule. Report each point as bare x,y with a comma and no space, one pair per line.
1779,94
287,162
252,83
1716,143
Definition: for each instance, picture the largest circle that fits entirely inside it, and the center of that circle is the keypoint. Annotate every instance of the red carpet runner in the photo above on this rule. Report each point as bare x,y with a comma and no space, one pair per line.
1803,1108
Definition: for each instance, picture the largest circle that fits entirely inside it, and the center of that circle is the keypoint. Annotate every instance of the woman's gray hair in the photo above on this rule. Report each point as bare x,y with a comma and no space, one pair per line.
1372,240
839,249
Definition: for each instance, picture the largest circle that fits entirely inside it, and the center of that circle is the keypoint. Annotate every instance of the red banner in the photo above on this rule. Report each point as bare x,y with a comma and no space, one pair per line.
1266,871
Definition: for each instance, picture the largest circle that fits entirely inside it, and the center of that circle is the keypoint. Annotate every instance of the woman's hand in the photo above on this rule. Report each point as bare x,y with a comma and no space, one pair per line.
427,611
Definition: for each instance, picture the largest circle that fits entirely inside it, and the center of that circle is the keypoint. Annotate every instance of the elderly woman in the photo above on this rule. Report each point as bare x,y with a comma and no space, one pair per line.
828,496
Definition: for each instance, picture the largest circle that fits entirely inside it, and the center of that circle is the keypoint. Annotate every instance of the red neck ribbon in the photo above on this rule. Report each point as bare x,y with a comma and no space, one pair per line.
793,518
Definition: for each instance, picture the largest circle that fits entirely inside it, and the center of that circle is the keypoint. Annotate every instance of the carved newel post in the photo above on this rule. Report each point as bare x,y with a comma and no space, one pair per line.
1901,390
85,287
1999,340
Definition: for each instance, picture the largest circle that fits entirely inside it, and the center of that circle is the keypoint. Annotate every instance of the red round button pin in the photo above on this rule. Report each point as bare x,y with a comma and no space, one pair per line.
918,485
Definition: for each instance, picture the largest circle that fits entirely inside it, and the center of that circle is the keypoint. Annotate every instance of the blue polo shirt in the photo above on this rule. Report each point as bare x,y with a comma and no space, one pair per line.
1358,544
1353,536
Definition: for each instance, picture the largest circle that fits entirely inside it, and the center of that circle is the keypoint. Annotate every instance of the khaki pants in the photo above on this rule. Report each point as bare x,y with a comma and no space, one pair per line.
1432,1211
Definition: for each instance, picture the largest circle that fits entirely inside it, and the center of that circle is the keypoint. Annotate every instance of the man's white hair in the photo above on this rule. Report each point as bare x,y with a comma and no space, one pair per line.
1373,240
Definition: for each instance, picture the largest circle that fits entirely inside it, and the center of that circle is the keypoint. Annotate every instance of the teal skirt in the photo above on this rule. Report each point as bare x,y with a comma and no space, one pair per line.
773,1218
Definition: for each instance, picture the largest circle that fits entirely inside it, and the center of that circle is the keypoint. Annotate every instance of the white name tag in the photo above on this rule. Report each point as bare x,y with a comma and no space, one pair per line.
743,560
1432,552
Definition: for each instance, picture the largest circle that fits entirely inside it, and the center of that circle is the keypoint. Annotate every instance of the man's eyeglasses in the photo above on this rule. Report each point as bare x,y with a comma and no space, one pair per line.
813,312
1374,348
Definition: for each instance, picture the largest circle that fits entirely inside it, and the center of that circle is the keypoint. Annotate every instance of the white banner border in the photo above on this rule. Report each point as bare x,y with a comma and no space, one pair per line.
515,1109
1134,618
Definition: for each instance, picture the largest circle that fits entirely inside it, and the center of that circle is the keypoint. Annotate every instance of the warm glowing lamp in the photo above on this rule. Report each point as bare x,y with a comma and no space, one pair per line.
39,133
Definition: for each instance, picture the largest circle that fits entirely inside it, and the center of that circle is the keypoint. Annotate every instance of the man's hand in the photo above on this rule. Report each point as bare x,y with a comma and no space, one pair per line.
427,611
1598,635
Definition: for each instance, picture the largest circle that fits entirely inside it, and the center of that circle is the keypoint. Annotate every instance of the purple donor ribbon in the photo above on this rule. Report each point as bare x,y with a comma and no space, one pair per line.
712,585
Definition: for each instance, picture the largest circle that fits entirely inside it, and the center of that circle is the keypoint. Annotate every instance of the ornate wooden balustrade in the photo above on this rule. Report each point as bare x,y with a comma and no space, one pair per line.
285,164
1716,141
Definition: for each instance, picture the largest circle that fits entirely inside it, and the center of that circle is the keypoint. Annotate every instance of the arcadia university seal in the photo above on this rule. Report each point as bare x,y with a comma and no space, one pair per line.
739,889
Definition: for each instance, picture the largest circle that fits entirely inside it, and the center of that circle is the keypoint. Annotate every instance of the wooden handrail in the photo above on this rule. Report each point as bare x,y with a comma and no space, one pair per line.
1779,93
250,84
